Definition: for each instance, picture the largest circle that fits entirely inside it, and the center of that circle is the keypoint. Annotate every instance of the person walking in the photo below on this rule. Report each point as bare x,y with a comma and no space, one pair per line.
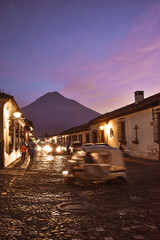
23,151
31,153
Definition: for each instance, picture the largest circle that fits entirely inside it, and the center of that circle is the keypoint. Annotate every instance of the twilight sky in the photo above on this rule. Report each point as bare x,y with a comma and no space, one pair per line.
97,52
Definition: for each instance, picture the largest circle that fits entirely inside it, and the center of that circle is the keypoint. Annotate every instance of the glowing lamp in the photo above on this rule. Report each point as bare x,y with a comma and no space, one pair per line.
17,114
58,149
65,173
101,127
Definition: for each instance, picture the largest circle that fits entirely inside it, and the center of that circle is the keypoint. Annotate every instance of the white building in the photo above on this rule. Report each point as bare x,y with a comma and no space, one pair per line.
13,130
136,126
76,134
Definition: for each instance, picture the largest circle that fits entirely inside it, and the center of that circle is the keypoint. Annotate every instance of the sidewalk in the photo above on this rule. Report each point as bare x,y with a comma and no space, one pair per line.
18,167
142,161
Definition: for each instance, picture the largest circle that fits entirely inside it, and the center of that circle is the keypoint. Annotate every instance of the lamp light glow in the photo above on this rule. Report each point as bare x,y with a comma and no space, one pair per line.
17,114
101,127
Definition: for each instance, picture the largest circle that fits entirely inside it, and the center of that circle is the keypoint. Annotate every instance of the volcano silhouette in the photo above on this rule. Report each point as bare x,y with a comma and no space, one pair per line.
54,113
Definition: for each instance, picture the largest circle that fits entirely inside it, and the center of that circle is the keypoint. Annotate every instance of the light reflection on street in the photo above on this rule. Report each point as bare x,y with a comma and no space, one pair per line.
47,162
49,158
59,163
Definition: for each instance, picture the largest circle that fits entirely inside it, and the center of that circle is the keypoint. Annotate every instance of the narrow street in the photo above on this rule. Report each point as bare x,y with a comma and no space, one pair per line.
39,205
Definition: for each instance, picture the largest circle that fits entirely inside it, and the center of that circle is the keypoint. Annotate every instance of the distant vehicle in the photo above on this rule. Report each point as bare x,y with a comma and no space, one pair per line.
61,148
75,146
44,147
96,163
52,148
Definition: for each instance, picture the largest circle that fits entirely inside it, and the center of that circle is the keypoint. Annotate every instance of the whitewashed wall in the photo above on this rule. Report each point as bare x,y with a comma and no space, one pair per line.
80,133
146,148
8,112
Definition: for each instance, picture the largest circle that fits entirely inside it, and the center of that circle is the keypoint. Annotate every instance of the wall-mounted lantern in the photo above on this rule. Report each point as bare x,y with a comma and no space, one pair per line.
101,128
17,114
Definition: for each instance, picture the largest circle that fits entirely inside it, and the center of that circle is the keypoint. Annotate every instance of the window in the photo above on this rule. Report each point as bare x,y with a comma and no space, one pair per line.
94,136
111,133
94,156
74,138
105,158
87,138
17,137
101,136
121,131
80,138
156,126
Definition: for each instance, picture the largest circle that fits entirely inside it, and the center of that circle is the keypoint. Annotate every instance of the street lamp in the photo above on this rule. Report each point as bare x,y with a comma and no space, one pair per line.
17,114
101,127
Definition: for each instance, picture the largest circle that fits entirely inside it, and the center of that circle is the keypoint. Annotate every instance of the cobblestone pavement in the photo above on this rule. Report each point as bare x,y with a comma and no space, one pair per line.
39,205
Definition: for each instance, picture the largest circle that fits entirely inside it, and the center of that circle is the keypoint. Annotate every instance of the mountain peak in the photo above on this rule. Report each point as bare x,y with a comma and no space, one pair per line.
51,96
54,113
53,93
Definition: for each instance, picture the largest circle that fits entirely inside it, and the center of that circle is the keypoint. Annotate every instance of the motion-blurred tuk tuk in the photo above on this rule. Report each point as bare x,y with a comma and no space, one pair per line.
96,163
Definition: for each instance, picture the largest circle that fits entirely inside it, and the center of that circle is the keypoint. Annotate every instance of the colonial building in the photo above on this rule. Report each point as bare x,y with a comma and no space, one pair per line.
14,130
79,133
136,126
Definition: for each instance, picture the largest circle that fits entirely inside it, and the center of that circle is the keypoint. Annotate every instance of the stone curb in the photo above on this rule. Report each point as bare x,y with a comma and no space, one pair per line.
142,161
26,163
16,171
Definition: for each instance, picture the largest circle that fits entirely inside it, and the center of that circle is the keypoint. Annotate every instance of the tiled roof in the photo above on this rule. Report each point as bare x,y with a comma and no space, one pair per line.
83,127
149,102
28,124
5,95
8,97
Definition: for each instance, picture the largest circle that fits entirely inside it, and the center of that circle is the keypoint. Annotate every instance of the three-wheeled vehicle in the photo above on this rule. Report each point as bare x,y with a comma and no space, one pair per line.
96,163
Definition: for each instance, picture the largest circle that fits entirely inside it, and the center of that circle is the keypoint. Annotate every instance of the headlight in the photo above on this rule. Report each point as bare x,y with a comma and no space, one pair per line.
47,149
39,148
58,149
65,173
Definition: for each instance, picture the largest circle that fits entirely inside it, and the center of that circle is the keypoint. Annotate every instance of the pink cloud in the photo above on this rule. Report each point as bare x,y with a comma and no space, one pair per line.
134,66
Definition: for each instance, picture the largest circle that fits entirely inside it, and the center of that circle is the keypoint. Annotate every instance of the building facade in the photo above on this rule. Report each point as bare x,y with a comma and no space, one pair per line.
76,134
135,126
14,130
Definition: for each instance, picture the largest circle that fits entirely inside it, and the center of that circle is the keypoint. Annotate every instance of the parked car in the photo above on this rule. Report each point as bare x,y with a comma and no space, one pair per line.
96,163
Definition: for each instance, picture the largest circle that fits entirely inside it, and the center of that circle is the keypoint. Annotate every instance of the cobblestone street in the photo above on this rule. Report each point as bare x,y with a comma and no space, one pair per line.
39,205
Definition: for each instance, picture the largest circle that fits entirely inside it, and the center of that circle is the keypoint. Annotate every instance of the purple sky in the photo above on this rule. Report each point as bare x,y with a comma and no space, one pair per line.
97,52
